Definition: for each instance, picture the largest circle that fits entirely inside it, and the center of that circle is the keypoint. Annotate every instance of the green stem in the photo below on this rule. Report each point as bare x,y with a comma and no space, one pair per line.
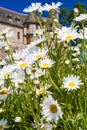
10,54
38,19
53,83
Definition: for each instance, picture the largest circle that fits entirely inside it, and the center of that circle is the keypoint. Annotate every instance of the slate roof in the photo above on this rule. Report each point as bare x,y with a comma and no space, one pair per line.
18,19
12,17
31,19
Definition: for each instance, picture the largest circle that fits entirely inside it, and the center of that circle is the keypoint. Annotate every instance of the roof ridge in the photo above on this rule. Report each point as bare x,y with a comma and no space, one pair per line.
12,11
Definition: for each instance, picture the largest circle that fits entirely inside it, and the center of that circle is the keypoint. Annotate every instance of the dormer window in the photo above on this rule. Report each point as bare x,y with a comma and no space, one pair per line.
9,16
17,19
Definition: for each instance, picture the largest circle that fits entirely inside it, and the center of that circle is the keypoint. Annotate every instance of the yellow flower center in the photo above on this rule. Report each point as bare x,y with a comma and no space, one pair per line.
72,84
40,91
6,73
44,121
1,127
45,64
5,91
68,38
22,65
53,108
38,56
20,84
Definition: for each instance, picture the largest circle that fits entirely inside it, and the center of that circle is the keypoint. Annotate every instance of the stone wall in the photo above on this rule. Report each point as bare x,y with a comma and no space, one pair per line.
16,43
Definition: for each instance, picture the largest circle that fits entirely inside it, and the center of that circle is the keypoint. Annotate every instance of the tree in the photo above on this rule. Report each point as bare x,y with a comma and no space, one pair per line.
80,7
67,16
63,16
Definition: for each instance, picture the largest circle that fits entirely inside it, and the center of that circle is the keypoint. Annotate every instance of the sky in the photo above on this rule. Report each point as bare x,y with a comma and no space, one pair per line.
19,5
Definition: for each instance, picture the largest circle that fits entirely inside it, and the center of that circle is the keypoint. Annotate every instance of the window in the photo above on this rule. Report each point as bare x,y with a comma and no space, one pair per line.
17,19
27,26
18,35
36,26
9,16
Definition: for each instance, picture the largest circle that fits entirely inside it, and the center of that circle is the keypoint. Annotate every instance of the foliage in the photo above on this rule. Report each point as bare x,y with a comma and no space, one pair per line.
66,16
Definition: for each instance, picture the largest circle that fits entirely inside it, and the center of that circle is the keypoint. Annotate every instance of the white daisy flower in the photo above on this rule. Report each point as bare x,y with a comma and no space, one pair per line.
29,70
6,71
32,77
36,82
45,124
81,17
75,51
50,109
3,124
29,49
54,6
18,78
43,89
17,55
40,91
39,54
71,82
38,41
32,7
76,48
75,59
21,64
39,32
76,54
29,59
67,34
1,80
2,62
41,9
46,63
18,119
39,73
4,93
67,62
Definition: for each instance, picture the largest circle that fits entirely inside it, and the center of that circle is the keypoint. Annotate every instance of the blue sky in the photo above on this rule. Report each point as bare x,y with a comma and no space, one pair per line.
19,5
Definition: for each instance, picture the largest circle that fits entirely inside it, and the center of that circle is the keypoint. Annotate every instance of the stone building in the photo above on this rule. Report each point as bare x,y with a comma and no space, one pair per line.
22,25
